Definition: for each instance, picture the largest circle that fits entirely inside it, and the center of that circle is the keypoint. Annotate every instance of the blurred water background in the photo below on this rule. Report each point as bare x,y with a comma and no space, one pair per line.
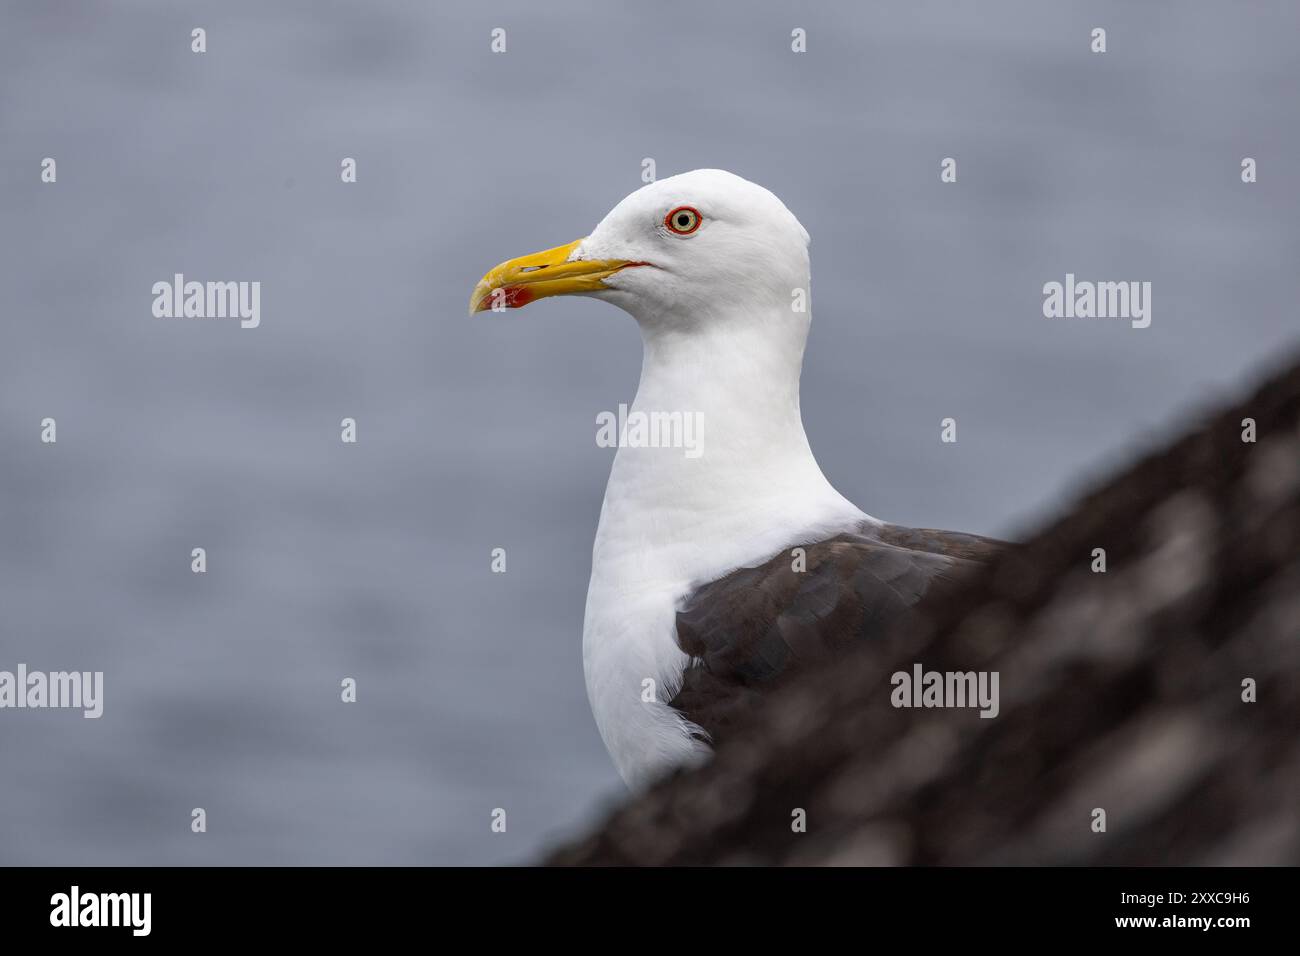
372,561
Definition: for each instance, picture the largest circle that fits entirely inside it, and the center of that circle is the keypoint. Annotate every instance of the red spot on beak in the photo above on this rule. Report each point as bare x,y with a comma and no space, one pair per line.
511,297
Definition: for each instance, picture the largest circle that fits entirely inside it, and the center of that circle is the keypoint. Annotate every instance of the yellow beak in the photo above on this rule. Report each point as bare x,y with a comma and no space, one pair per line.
519,281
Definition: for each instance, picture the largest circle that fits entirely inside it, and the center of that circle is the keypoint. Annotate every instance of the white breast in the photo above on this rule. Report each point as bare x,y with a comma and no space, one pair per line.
631,660
670,523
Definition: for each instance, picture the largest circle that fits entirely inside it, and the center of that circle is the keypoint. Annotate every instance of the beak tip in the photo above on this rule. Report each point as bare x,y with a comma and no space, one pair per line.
478,301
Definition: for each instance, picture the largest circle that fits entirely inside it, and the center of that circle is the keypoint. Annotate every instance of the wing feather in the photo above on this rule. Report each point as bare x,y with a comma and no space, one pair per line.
752,629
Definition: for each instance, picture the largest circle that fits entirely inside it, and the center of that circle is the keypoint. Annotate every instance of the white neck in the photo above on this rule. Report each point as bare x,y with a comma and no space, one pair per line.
672,522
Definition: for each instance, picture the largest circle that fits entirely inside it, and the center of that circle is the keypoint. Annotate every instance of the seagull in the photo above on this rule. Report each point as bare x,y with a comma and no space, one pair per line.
716,577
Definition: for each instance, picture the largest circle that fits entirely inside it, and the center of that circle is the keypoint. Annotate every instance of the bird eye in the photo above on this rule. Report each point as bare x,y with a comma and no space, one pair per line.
683,220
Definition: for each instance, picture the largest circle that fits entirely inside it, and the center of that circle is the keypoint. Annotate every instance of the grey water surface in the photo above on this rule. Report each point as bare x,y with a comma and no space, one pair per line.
372,561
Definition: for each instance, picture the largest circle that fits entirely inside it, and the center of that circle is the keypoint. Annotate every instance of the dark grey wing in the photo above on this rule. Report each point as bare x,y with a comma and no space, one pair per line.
953,544
749,631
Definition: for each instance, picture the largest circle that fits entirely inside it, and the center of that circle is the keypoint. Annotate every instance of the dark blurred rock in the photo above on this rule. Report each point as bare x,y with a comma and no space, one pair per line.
1120,690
